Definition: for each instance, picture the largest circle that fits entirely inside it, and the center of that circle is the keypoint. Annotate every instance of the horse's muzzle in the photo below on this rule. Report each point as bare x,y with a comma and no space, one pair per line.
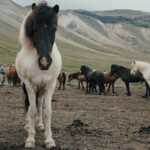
44,63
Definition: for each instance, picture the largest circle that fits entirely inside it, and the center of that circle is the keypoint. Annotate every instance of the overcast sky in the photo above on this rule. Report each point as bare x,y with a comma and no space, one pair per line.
143,5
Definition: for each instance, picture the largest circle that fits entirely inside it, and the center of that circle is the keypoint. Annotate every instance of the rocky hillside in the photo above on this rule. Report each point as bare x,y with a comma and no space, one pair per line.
130,32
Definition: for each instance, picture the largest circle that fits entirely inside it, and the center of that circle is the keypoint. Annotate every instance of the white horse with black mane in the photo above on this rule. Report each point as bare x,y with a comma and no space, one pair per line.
38,64
143,68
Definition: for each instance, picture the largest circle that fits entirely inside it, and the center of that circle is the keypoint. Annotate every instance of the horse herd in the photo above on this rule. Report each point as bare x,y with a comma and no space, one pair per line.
96,78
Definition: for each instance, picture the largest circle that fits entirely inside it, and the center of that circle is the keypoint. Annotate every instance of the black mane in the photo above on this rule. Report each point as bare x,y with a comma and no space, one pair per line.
85,69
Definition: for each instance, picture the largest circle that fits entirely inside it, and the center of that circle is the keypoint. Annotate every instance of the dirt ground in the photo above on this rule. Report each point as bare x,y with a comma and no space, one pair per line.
81,121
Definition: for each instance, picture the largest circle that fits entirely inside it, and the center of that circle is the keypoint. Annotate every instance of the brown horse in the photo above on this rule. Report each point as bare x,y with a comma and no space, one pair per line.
62,80
12,76
78,77
110,80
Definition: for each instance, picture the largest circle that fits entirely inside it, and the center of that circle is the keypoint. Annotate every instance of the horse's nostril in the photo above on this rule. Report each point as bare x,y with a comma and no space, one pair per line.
44,64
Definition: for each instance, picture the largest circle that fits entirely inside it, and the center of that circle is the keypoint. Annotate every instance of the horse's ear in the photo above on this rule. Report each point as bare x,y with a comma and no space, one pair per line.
56,8
33,5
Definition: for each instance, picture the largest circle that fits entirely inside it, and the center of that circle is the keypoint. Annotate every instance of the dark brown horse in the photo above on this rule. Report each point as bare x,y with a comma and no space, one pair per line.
12,76
127,77
78,77
62,80
110,79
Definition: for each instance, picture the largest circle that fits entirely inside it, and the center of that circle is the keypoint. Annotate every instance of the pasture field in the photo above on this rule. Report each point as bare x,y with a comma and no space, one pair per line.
81,121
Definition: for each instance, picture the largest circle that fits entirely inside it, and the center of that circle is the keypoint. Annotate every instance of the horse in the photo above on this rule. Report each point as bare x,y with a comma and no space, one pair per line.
12,76
110,79
93,78
78,77
38,64
127,77
62,80
144,69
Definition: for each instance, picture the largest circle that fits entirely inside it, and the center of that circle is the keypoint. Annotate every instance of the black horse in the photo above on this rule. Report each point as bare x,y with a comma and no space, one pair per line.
93,78
78,77
127,77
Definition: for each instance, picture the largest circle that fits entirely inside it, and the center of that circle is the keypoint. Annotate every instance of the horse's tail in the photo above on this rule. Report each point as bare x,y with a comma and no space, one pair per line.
27,103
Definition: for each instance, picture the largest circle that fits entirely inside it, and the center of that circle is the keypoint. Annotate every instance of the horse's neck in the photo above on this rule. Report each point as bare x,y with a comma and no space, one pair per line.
124,71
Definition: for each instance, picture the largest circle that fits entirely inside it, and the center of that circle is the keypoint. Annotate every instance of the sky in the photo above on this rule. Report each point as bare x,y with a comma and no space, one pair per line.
143,5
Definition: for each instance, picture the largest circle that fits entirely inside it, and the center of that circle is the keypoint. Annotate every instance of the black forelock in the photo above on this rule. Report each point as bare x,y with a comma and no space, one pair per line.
43,13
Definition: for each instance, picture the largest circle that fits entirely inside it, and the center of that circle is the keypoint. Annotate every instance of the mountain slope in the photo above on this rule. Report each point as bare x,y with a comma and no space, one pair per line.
11,16
96,39
123,39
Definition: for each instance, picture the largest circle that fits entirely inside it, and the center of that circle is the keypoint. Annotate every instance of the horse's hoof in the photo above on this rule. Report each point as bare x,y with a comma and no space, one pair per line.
40,127
50,144
128,94
30,144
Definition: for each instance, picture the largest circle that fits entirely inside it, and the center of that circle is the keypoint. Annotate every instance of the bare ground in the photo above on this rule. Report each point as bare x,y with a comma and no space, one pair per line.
105,122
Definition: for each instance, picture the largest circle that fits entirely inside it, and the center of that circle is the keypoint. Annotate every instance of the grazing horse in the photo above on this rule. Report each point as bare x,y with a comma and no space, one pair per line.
62,80
110,79
144,69
78,77
93,78
38,65
12,76
127,77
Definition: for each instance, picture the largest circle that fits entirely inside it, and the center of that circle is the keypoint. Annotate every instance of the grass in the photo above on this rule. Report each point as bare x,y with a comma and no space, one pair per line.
8,50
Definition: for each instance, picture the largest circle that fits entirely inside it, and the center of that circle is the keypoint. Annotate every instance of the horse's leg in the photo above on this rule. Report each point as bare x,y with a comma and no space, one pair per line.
87,84
147,90
113,89
59,84
30,142
79,84
100,89
82,85
95,87
148,82
128,88
64,84
90,86
40,124
108,87
104,89
48,112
